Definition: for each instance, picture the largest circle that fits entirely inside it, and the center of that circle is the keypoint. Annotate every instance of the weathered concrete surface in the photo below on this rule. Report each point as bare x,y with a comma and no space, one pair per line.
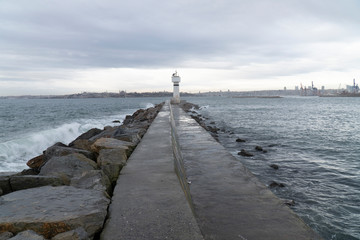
52,210
148,202
229,201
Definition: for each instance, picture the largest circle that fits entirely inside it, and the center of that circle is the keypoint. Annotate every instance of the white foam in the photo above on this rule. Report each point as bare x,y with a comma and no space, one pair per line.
15,153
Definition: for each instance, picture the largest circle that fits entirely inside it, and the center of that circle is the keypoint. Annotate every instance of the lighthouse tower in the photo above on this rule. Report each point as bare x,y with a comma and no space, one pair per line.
176,94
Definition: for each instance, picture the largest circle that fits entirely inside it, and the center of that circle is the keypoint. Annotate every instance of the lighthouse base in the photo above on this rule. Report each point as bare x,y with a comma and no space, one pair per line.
175,100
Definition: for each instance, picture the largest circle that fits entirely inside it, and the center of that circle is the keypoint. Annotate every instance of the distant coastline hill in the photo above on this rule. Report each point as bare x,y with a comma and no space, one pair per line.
121,94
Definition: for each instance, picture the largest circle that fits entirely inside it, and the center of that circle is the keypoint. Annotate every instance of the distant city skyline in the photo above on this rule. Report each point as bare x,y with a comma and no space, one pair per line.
65,47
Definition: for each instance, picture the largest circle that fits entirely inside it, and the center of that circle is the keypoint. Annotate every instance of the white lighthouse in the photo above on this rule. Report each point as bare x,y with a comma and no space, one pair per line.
176,94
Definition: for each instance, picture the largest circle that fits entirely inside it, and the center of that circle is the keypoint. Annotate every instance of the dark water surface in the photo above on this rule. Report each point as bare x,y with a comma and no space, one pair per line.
314,141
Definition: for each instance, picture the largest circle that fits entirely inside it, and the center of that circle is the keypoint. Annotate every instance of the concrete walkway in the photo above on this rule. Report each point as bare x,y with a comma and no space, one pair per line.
229,201
148,202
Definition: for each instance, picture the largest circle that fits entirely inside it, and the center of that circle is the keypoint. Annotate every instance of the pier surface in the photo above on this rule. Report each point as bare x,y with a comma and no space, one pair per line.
226,200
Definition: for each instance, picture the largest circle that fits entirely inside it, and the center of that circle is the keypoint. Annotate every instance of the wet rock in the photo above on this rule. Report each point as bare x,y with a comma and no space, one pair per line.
30,171
212,123
6,235
274,166
5,181
27,235
274,184
289,202
111,143
187,107
87,135
1,192
258,148
240,140
244,153
67,167
212,129
36,162
272,145
111,161
29,181
95,179
129,134
83,144
116,121
76,234
106,133
59,151
53,210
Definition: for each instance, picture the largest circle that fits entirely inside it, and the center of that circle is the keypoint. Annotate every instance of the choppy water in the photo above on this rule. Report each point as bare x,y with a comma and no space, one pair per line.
29,126
316,143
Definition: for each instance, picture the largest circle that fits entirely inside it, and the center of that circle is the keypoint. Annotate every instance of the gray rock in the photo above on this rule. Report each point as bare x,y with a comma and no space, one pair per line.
111,161
128,134
31,181
274,184
240,140
244,153
5,181
59,151
82,144
6,235
67,167
112,143
87,135
76,234
1,192
274,166
95,179
53,210
27,235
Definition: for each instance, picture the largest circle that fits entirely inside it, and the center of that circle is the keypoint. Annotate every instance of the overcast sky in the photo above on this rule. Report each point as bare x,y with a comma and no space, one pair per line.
59,47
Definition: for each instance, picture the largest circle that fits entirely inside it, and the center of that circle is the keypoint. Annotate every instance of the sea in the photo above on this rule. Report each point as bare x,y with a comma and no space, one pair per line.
315,142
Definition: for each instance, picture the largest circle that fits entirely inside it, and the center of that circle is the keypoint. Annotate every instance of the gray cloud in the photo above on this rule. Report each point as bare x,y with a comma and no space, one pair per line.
83,34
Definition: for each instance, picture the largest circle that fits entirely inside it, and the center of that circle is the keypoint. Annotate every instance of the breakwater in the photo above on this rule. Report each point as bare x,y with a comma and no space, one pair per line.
223,199
66,191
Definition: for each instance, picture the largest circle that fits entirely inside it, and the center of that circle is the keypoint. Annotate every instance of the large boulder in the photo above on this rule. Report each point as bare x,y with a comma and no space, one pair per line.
84,144
30,181
129,134
67,167
95,179
6,235
28,235
112,143
107,132
5,182
58,151
36,162
87,135
52,210
111,161
76,234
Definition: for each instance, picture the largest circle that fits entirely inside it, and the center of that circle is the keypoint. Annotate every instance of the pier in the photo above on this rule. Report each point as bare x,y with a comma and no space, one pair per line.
180,183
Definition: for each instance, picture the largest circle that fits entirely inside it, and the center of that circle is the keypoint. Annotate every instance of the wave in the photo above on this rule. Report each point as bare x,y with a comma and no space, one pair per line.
15,153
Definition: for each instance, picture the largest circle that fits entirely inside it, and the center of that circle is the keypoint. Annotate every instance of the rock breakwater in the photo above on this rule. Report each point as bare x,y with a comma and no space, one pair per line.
66,191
